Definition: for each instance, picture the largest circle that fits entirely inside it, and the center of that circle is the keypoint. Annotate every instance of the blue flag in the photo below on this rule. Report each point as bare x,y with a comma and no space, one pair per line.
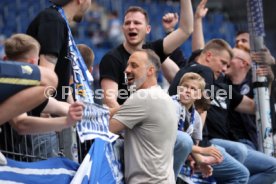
99,166
54,170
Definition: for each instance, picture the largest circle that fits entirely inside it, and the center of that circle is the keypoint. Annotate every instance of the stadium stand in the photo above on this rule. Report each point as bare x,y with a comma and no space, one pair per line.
15,15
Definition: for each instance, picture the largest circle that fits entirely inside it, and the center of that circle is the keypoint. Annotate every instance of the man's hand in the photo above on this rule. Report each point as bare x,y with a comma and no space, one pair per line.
75,113
211,151
263,57
206,170
201,10
169,21
265,70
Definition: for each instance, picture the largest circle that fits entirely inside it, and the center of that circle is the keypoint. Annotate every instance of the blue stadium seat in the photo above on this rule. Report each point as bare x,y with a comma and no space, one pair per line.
215,25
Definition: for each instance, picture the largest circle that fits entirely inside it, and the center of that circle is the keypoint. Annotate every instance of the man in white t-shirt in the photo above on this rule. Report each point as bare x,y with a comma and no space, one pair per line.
149,119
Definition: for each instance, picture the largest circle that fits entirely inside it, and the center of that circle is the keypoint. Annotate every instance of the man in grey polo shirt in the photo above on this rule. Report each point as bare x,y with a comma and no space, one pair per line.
148,117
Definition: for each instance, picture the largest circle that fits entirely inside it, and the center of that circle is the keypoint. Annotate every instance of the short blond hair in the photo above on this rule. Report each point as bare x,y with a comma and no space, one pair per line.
194,77
218,45
18,46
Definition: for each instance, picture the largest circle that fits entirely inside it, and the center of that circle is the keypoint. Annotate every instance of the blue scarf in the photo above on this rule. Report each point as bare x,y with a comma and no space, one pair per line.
186,117
100,163
95,121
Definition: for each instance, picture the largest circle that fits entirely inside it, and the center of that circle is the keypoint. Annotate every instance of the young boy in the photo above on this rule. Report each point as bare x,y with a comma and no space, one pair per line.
190,90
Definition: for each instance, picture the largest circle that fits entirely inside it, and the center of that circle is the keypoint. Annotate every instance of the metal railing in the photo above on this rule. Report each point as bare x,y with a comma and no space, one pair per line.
30,148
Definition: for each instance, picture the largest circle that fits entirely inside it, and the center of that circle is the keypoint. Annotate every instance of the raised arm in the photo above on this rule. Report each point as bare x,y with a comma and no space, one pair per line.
169,21
184,30
169,67
198,37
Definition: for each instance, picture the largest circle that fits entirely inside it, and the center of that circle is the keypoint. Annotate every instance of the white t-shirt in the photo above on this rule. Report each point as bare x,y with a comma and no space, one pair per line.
150,117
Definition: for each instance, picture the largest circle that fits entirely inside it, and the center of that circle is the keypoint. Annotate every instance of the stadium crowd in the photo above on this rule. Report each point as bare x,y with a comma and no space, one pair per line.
202,130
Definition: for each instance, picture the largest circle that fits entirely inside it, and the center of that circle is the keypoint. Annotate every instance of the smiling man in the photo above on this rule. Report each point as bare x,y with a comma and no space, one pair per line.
149,119
136,27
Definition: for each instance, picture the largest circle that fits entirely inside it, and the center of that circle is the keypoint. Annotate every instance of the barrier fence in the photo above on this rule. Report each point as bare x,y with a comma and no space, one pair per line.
30,148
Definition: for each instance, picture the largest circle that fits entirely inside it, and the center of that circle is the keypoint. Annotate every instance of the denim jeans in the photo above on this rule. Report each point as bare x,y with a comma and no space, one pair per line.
262,168
182,149
229,170
248,144
235,149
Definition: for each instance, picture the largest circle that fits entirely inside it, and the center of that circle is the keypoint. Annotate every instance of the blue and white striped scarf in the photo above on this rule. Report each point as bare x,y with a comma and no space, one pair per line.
53,170
94,125
96,118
